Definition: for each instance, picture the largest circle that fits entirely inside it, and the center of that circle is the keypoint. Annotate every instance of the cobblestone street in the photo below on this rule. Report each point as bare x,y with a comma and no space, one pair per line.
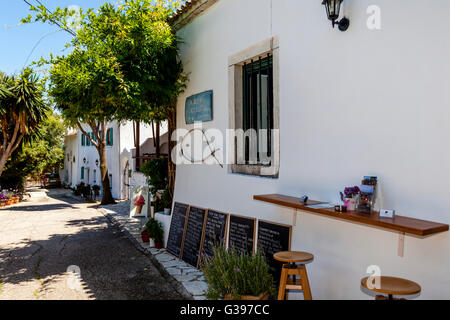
44,239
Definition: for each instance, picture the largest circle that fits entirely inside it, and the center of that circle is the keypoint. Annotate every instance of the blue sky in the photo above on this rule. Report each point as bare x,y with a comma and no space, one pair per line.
17,41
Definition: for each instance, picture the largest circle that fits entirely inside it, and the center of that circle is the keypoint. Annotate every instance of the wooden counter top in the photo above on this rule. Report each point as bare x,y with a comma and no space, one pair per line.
399,223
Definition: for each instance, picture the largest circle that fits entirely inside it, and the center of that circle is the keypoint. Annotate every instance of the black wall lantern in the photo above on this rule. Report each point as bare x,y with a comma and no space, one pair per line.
333,8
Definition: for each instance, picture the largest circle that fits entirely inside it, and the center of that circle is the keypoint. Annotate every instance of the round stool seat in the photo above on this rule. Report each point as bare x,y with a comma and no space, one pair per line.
293,256
394,286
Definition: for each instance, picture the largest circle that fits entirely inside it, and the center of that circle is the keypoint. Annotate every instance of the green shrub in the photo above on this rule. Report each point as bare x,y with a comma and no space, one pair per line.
157,174
155,228
236,274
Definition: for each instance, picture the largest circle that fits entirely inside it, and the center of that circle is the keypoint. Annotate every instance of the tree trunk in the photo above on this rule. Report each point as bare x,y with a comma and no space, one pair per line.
157,140
107,195
172,123
3,160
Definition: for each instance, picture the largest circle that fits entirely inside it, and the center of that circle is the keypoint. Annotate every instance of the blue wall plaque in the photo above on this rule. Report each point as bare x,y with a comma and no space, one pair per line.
199,107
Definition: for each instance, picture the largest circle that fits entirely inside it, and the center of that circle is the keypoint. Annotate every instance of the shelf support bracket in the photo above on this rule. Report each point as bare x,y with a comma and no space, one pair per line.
401,244
294,217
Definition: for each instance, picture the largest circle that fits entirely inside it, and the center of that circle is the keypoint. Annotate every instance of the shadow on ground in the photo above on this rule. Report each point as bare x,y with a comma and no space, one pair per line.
111,267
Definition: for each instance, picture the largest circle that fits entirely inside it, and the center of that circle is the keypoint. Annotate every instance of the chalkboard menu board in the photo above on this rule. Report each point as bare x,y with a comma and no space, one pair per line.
177,226
242,234
273,238
193,236
215,232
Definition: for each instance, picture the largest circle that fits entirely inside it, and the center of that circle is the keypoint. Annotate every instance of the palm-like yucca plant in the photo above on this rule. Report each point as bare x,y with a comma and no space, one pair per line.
22,109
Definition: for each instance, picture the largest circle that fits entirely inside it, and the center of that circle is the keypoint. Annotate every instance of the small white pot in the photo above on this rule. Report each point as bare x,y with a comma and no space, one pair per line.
352,203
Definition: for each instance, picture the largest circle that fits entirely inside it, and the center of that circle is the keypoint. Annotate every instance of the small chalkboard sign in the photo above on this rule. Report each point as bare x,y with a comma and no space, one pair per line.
273,238
242,234
193,236
177,227
215,232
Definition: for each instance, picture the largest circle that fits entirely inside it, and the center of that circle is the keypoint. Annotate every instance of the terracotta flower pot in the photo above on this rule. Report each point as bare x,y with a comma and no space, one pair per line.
9,202
159,245
2,203
145,236
262,296
138,209
15,200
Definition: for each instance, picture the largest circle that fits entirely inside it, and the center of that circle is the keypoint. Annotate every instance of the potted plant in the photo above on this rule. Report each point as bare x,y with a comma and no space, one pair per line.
146,232
145,235
16,196
166,201
96,189
234,276
350,197
157,234
139,202
3,199
78,189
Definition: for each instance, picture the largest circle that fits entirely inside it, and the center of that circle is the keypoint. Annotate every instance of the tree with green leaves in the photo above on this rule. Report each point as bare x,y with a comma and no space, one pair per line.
44,153
22,109
124,66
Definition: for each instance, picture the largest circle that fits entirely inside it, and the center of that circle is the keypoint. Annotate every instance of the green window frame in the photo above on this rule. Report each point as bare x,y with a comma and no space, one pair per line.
83,140
82,173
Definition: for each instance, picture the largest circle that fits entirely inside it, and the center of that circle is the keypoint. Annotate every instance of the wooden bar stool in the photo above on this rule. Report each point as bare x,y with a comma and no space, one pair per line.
393,286
291,270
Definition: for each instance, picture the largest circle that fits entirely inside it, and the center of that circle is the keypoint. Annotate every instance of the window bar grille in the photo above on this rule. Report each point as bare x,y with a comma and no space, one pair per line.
260,110
245,112
252,121
269,105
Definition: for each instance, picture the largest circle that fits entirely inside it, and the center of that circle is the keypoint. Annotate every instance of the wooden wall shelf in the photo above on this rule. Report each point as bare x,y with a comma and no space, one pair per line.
399,223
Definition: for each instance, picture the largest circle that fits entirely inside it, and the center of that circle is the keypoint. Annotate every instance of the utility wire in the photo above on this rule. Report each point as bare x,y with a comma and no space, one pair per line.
37,43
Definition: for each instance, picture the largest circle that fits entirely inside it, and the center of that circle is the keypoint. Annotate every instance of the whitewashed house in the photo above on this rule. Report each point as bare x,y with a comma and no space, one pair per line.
373,100
82,163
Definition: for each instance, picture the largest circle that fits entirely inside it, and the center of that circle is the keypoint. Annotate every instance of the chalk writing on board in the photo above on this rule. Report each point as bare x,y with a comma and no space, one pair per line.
242,232
176,231
193,236
273,238
215,232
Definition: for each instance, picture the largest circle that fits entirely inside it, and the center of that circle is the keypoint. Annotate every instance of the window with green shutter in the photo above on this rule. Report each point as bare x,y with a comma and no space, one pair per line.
109,137
83,140
82,173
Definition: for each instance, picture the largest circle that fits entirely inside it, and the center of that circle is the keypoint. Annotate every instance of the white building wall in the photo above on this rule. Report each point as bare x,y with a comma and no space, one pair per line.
69,173
352,103
88,155
117,155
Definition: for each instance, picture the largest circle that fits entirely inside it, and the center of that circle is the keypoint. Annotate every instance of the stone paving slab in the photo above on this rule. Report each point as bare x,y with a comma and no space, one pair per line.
190,278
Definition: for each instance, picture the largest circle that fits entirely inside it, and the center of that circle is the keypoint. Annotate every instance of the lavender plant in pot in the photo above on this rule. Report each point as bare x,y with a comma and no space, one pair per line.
350,197
3,199
234,276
